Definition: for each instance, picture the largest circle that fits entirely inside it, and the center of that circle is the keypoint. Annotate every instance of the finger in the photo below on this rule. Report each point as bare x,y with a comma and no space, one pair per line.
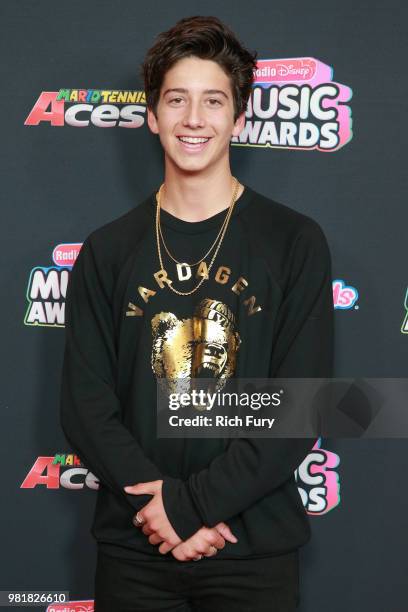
211,551
214,538
155,539
201,543
142,487
135,489
165,548
176,551
146,530
180,549
178,554
193,552
219,542
226,532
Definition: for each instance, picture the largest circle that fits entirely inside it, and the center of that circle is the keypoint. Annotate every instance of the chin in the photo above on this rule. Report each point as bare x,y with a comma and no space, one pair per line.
192,165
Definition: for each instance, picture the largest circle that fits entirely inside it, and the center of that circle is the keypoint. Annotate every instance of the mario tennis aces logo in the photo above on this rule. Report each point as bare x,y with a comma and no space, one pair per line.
82,107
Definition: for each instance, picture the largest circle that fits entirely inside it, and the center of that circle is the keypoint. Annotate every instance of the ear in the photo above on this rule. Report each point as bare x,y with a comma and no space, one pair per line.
152,121
239,124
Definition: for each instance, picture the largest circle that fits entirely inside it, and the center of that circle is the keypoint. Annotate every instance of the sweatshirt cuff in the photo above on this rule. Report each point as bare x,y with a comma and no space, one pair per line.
180,508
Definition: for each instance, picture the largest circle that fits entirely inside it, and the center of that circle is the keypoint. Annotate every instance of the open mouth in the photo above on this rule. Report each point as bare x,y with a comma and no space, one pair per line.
193,144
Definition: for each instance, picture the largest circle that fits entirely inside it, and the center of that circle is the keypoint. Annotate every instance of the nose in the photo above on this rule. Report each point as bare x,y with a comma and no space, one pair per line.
194,115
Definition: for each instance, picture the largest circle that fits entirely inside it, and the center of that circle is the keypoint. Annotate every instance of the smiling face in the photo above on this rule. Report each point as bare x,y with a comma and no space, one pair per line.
195,101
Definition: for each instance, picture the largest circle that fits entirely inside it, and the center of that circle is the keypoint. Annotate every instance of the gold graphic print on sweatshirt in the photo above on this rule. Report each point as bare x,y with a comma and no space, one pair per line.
204,346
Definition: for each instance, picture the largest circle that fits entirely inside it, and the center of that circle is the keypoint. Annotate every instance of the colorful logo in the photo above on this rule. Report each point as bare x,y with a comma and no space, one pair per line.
295,104
83,107
344,296
79,605
47,288
318,482
61,470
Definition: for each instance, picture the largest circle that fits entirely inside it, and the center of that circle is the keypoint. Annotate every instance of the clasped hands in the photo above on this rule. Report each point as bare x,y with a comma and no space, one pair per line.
206,541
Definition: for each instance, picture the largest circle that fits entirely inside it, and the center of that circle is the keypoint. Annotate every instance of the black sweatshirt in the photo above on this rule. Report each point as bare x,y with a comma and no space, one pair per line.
125,328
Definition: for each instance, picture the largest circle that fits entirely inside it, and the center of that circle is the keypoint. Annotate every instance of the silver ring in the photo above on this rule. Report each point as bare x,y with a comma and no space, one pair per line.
198,558
137,521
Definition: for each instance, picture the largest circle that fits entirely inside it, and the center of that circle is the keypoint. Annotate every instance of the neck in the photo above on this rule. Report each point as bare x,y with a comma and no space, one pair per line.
197,197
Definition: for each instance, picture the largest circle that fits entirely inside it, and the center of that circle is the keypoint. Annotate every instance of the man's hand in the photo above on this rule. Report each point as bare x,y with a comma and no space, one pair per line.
205,542
157,526
153,514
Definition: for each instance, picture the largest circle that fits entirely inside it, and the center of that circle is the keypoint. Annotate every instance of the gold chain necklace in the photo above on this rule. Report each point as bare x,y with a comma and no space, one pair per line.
223,229
159,195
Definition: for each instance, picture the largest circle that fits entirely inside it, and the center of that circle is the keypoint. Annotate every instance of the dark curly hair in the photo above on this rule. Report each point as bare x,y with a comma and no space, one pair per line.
205,37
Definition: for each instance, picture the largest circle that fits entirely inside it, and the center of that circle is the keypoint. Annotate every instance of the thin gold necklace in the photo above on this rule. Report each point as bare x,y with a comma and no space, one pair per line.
196,263
223,228
159,195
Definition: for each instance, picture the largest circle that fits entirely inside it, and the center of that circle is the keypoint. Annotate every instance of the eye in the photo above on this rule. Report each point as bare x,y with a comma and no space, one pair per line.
174,99
214,100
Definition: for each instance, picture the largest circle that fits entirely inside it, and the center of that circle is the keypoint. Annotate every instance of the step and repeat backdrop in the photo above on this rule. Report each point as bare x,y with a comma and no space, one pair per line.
325,134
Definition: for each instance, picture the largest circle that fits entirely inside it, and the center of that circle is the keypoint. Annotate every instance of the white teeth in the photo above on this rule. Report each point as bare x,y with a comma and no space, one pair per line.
192,140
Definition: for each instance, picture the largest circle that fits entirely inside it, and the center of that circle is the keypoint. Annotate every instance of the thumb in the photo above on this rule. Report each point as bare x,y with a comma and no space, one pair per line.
226,532
137,489
151,488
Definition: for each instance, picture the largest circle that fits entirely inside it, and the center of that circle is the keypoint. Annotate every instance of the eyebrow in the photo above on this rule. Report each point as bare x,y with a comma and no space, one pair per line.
206,91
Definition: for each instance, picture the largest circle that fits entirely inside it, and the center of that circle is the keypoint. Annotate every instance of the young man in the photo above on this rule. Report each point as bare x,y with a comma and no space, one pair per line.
253,300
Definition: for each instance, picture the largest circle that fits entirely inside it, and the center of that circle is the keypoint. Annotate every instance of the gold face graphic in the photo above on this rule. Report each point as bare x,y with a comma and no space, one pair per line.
204,346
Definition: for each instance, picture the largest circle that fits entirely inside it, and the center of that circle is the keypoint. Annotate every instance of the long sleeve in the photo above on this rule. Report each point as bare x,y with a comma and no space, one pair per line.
89,406
302,348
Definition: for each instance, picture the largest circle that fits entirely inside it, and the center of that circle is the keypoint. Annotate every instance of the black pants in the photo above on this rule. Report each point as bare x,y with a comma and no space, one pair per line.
270,584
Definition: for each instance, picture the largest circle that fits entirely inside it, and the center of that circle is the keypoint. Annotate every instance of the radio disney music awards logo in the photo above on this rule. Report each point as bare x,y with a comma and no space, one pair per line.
296,104
344,296
318,482
78,605
102,108
47,288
